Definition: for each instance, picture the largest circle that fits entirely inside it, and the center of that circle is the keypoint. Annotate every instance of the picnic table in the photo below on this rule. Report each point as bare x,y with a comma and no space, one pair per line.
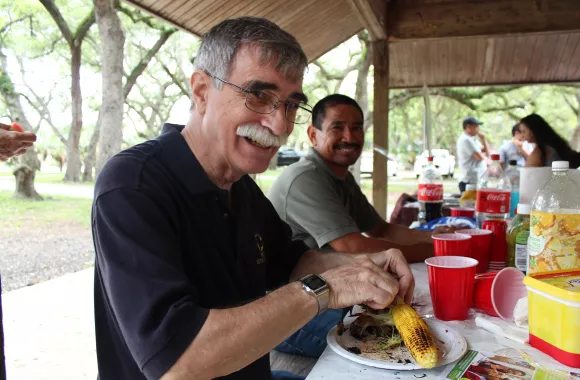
335,367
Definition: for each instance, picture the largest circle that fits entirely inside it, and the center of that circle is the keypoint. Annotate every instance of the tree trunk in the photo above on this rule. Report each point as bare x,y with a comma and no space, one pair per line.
92,153
28,163
73,167
362,94
273,162
113,41
25,183
575,140
75,42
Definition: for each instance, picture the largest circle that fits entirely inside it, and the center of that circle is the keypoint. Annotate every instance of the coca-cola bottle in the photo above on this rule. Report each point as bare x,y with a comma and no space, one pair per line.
430,193
493,193
493,206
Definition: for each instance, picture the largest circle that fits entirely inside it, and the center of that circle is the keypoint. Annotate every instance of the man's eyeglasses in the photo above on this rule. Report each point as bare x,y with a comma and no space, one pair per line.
265,102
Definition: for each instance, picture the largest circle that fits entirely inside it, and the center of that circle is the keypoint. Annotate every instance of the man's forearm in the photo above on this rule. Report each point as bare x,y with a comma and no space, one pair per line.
402,234
316,262
231,339
485,144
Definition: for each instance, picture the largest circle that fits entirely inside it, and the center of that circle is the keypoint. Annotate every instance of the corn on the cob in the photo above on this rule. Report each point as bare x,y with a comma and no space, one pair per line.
416,335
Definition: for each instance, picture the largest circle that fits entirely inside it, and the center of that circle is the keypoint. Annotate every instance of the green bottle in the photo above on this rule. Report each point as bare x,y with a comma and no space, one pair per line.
517,238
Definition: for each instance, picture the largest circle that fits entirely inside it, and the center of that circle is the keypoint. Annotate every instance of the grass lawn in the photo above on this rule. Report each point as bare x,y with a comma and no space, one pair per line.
45,178
18,213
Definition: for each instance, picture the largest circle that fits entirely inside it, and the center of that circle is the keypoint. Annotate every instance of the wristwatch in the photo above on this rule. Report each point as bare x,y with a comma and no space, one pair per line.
315,285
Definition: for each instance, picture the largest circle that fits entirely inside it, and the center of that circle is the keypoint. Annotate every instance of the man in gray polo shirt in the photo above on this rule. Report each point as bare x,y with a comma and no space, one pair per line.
320,200
516,149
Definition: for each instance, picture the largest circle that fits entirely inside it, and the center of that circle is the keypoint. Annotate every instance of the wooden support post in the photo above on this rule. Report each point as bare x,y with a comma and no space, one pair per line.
380,51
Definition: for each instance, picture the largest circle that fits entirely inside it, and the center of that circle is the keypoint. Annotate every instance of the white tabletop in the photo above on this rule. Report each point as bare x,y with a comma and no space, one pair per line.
332,366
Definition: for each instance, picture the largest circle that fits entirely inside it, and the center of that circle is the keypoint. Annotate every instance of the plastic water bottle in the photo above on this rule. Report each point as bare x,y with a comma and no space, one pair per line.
554,242
493,193
430,193
513,173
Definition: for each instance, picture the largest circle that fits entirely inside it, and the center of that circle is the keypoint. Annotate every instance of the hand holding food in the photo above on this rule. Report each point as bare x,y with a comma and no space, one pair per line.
14,140
361,282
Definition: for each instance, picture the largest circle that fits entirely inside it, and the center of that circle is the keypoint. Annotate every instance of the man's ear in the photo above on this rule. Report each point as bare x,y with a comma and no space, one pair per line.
311,131
200,86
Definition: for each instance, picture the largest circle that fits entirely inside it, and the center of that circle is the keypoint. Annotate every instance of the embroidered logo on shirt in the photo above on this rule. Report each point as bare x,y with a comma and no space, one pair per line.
260,245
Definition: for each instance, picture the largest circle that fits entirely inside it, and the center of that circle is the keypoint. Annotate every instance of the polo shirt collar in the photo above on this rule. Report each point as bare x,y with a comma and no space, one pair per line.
181,161
319,162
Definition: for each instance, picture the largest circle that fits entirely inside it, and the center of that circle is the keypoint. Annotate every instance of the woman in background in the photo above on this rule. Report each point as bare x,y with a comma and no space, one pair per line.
549,145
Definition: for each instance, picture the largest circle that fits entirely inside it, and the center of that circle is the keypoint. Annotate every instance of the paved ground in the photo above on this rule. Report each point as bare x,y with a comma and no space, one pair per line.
49,330
43,252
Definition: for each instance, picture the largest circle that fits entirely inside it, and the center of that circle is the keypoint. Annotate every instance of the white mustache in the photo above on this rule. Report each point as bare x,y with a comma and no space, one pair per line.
261,135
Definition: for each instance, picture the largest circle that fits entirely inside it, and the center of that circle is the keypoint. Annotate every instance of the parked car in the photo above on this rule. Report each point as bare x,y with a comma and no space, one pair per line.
366,164
442,159
288,156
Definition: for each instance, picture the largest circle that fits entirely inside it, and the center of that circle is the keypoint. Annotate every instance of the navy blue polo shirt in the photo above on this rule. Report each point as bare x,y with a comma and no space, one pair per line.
170,246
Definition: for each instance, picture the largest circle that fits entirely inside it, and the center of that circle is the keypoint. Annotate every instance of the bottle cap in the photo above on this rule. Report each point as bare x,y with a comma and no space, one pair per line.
495,157
524,208
560,165
430,158
513,162
470,187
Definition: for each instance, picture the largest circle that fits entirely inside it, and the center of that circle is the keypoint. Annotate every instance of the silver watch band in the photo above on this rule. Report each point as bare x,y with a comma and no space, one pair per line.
320,291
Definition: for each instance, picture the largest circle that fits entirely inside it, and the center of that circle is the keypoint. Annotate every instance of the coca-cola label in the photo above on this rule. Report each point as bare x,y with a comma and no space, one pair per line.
492,201
429,192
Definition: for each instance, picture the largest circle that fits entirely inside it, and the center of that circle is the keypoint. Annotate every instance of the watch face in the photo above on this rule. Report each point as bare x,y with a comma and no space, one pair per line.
314,282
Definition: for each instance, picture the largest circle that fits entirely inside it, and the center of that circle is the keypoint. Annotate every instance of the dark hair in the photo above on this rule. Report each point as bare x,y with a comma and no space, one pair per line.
515,129
319,110
545,136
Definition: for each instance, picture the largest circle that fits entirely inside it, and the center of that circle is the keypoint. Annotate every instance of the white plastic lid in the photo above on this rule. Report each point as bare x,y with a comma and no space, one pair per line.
560,165
470,187
524,208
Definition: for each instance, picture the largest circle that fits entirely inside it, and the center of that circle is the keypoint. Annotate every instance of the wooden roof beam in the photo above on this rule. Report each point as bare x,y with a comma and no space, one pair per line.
372,15
427,19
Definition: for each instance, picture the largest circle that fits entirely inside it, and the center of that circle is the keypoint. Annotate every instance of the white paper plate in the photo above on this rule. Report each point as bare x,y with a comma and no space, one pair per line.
451,344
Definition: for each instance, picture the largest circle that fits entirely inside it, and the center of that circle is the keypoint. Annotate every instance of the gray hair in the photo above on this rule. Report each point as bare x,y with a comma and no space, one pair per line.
221,43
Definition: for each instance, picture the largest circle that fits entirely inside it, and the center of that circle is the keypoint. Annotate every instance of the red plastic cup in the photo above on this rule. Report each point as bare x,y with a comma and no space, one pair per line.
482,293
480,247
498,252
462,211
451,244
451,286
497,293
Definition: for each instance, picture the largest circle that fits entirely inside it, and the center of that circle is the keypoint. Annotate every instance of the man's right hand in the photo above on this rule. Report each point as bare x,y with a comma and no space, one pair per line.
361,282
14,143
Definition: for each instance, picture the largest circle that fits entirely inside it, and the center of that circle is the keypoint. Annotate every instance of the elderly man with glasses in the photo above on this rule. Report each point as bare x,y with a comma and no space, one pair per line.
196,276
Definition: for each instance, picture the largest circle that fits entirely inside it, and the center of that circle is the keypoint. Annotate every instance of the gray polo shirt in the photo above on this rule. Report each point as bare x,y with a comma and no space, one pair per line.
318,205
509,151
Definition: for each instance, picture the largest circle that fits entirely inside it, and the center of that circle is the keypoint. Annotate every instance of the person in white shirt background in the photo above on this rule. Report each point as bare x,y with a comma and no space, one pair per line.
472,149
